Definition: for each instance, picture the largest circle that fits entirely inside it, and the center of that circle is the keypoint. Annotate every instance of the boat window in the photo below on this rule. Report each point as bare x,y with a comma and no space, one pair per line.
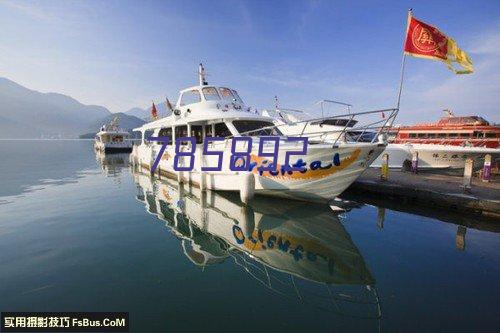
226,94
452,135
197,132
208,130
181,132
210,94
221,130
431,135
190,97
255,127
413,135
441,135
490,135
237,97
147,135
165,133
464,135
421,135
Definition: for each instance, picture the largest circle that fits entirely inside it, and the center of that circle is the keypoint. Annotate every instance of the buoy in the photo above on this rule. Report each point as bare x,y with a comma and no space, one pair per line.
247,189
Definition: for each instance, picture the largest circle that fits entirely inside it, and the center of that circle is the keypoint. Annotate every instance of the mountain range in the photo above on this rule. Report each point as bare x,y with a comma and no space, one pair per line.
29,114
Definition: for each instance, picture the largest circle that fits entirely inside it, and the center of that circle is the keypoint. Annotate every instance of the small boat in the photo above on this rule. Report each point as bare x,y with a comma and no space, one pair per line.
451,130
206,111
111,139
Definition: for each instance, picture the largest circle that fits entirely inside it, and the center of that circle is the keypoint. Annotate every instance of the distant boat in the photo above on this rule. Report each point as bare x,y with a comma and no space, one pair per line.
451,130
445,144
111,139
434,156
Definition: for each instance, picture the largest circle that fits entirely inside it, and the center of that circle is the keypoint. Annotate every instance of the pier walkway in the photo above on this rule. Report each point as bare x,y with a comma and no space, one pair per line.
429,189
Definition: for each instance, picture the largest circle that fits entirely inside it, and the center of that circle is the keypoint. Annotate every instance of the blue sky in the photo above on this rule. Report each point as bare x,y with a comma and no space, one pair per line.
123,54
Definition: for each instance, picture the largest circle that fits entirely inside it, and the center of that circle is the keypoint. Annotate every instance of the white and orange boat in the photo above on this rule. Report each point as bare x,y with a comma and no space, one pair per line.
444,145
466,131
204,111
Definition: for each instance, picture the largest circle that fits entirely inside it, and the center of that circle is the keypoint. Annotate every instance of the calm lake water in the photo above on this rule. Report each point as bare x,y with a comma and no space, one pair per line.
79,232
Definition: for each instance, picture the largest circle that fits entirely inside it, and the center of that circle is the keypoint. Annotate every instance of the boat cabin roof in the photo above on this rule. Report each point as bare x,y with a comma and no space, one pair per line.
124,133
206,104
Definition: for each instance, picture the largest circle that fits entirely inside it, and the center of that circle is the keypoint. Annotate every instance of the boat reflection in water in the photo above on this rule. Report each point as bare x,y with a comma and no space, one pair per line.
112,164
300,251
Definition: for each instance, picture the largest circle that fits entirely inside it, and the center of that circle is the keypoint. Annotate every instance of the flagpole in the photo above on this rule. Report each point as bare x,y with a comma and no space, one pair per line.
403,63
401,80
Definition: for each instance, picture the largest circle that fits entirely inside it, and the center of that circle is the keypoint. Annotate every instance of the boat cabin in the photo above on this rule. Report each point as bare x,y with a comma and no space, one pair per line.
106,137
209,111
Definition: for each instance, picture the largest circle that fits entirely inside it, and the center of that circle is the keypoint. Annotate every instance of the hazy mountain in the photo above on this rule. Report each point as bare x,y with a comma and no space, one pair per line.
146,113
125,122
26,113
136,112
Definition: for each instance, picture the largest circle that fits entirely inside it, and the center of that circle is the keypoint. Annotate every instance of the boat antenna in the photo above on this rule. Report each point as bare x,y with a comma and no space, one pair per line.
169,105
202,75
449,113
276,102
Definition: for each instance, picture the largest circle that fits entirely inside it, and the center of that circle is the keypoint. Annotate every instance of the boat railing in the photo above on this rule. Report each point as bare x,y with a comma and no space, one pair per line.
346,133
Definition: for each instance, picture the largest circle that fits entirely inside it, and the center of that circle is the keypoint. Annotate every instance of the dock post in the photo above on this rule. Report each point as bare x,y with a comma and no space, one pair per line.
384,169
414,162
487,169
467,181
380,217
460,238
247,189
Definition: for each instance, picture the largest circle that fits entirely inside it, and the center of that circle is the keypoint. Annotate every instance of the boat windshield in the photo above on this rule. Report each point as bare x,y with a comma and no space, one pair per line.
211,94
256,127
336,122
190,97
237,97
226,94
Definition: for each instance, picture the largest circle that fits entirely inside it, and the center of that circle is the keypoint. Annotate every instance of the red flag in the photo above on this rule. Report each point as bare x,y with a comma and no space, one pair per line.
154,112
424,40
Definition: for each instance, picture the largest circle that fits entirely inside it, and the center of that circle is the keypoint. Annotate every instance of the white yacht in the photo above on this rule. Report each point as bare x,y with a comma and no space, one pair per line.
293,122
206,111
111,139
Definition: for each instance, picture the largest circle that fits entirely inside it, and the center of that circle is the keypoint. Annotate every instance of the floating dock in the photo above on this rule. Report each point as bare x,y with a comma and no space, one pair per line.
432,190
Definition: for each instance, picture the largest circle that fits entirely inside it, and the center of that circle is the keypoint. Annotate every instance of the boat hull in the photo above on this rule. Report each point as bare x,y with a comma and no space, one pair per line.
326,172
113,148
435,156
